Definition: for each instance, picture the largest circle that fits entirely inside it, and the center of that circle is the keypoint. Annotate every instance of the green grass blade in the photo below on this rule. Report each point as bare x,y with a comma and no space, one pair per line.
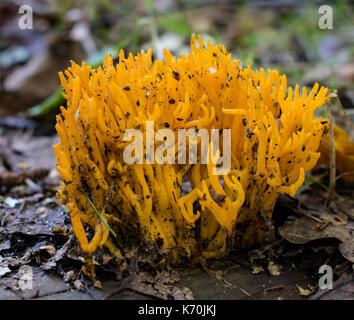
100,216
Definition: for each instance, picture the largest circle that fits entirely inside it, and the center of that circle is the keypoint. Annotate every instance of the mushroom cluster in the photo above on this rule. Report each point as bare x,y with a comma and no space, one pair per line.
274,140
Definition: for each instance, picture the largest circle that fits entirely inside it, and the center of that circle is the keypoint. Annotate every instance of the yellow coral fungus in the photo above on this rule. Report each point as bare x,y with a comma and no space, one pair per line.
274,139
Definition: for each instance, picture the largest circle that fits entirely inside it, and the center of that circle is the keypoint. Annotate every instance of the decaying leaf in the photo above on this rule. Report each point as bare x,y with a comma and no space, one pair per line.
4,270
302,230
303,292
79,285
273,269
51,263
256,270
144,284
69,276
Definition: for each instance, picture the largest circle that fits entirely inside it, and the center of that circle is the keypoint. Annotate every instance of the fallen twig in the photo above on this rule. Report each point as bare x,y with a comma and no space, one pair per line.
10,179
332,157
274,288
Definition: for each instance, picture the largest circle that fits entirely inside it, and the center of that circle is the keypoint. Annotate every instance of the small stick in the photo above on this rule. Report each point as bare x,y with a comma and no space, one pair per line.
274,288
10,179
125,284
332,157
226,284
335,95
344,174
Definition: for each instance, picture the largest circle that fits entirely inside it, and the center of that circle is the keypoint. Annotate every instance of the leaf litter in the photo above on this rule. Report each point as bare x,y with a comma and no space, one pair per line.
36,231
311,223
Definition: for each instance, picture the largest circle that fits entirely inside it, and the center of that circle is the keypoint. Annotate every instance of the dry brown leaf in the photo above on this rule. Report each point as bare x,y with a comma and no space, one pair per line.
256,270
145,284
303,292
273,269
302,230
79,285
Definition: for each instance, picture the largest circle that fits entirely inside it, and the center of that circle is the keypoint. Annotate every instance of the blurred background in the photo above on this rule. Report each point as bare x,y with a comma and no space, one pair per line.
282,34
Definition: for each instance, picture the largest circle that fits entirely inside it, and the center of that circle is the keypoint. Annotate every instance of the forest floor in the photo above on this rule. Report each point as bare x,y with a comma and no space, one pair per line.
36,239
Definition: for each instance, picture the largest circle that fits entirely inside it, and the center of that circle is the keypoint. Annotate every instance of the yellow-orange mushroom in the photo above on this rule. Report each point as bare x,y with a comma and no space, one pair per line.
274,141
